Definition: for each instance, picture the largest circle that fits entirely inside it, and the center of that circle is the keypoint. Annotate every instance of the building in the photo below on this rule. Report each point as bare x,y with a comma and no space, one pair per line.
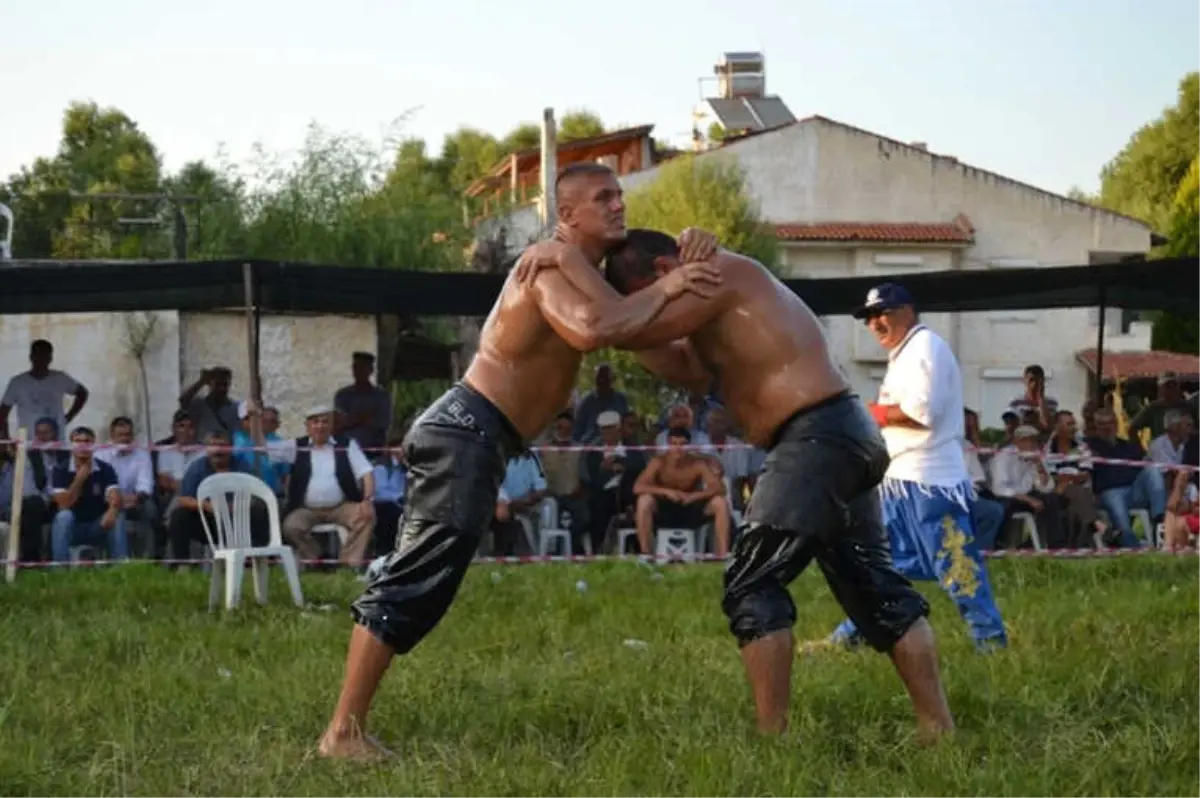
848,202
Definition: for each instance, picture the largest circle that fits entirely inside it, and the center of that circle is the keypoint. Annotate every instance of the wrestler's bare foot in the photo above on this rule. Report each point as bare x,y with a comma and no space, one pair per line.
929,734
355,746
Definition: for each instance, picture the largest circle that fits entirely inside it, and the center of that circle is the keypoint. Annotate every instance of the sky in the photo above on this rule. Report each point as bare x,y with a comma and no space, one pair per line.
1042,91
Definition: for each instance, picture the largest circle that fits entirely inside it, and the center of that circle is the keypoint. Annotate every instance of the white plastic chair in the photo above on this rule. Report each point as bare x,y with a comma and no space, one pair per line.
231,544
676,543
1029,528
337,537
550,531
624,534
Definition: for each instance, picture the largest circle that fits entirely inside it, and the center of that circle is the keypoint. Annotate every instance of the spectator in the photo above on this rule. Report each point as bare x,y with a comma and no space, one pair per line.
1167,448
331,481
1035,405
248,452
39,392
1124,487
562,465
1088,414
390,485
364,410
88,498
45,438
680,416
632,429
173,463
1011,421
1154,415
602,398
988,516
681,490
523,489
1182,521
735,457
215,411
1020,478
34,494
184,524
135,479
1070,463
607,473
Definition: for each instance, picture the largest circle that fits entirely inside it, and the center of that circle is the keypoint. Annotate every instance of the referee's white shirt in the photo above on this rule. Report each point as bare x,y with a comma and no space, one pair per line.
924,381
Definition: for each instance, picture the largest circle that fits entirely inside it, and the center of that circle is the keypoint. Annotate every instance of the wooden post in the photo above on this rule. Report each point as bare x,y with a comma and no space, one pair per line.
514,178
1101,321
255,391
549,170
14,531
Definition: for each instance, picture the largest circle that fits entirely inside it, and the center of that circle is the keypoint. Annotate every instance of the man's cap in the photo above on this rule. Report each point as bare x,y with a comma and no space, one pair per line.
609,418
318,410
1168,377
885,296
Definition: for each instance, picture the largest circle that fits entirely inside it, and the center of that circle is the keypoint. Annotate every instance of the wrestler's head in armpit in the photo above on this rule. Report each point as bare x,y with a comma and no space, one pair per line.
642,258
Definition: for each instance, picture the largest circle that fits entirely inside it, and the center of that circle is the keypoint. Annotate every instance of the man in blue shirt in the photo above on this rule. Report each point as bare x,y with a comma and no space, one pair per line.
185,524
521,494
390,484
1123,487
89,502
254,462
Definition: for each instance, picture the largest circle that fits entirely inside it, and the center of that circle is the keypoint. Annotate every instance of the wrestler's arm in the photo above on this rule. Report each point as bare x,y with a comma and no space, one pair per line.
677,363
587,326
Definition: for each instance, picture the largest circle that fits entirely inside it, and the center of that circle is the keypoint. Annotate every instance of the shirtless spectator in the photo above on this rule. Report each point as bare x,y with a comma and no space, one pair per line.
39,393
215,411
680,490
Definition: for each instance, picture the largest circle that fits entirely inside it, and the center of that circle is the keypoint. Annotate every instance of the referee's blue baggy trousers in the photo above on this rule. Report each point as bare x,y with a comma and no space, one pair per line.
932,538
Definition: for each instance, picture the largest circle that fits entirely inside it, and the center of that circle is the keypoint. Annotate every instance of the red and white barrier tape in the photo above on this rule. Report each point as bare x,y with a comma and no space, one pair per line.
999,554
277,449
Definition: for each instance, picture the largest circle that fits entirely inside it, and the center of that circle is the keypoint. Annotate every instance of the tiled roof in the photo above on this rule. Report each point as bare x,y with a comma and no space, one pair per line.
956,232
1134,365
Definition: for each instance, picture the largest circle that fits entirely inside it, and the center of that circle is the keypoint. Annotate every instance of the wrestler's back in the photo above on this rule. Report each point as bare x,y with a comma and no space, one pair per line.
768,351
523,366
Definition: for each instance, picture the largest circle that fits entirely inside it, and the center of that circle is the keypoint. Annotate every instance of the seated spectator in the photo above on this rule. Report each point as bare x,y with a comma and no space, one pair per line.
43,446
1011,421
331,482
173,463
1167,448
184,524
1124,487
1069,461
609,471
735,457
34,496
562,466
248,452
135,480
523,489
1182,521
88,499
1020,479
390,485
680,490
988,516
681,416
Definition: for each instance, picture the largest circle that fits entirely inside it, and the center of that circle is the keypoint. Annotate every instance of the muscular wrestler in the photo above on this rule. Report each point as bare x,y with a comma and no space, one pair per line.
816,496
681,490
528,360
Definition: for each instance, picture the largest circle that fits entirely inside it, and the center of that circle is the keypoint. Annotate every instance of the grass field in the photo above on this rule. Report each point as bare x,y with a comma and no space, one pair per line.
118,682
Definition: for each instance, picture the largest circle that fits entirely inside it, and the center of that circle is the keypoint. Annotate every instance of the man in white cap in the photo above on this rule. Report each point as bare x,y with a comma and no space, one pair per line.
331,481
927,490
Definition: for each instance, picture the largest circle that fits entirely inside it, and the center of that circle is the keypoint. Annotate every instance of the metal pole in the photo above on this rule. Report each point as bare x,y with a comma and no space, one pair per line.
549,170
1100,350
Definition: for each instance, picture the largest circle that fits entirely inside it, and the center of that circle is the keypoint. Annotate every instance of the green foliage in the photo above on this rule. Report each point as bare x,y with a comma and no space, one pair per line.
1181,332
717,132
118,682
708,193
579,124
1142,179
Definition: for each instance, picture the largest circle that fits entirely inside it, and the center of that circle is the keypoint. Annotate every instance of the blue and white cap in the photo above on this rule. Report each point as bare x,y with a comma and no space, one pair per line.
885,296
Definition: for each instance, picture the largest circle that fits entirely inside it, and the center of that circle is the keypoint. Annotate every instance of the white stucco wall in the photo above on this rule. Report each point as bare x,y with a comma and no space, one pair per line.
303,359
92,348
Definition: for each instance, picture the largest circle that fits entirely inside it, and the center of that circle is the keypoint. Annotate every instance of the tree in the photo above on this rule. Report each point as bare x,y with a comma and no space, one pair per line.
525,136
707,192
579,124
1142,179
717,132
1181,332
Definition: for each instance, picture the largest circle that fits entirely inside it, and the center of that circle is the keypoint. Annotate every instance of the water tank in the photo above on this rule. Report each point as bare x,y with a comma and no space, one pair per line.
741,75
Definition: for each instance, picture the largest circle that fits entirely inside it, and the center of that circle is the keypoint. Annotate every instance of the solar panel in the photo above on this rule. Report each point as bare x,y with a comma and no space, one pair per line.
772,111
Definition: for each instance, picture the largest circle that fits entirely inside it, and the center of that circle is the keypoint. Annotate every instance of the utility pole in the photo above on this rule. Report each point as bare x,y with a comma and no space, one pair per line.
549,170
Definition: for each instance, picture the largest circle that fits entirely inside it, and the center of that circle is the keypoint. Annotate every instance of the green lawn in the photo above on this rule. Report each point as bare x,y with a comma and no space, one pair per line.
117,682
